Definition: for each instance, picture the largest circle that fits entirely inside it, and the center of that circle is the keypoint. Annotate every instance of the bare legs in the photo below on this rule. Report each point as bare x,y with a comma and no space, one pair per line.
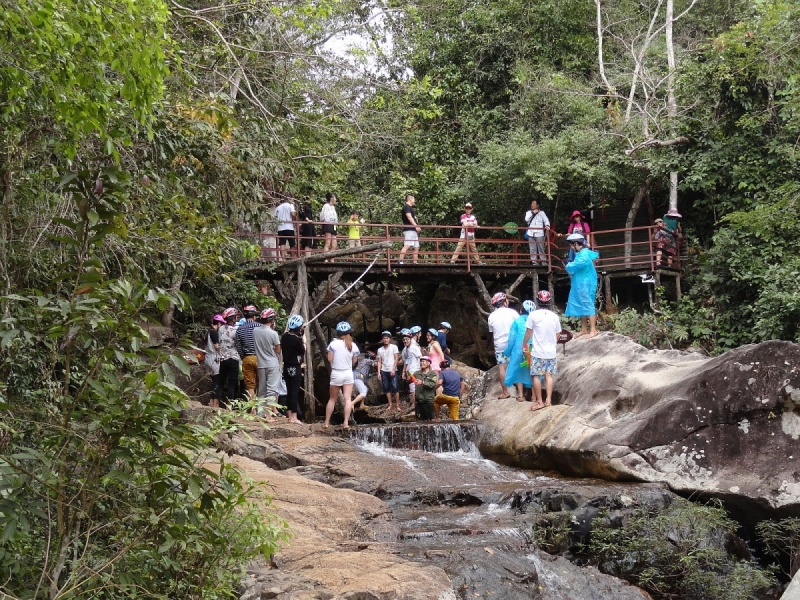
330,243
501,376
347,392
537,391
592,331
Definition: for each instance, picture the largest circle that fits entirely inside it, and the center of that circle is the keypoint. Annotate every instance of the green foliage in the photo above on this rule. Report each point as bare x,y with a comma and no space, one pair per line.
781,541
679,551
550,532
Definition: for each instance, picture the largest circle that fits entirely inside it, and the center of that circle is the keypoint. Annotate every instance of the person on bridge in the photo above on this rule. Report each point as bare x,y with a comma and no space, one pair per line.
538,229
665,243
500,322
578,225
307,229
542,329
469,223
453,387
285,214
426,381
583,285
388,358
354,230
329,218
342,354
411,230
518,374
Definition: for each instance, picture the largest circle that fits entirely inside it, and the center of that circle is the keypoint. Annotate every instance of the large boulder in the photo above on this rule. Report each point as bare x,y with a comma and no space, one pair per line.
727,426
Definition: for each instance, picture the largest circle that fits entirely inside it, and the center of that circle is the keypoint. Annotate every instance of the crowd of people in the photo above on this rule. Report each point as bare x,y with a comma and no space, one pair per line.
537,231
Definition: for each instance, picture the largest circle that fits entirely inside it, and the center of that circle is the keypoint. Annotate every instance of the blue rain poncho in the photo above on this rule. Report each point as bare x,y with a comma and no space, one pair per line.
584,284
515,373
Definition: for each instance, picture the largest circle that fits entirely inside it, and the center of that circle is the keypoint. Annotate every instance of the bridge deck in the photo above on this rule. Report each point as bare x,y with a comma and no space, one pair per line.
622,251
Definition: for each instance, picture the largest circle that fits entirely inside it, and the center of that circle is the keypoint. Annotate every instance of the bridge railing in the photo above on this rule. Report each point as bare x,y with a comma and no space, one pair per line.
620,249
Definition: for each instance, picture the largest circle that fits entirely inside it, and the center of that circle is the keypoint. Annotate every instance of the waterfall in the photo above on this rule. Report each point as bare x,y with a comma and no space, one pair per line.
428,437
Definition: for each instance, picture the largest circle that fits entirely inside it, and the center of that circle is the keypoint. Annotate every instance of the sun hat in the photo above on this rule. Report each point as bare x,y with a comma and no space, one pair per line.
575,213
468,205
673,212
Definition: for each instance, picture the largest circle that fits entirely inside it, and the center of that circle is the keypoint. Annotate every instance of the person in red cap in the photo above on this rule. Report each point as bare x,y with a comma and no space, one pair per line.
578,225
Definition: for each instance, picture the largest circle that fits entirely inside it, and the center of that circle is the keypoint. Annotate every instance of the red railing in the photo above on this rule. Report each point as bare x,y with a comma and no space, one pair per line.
495,247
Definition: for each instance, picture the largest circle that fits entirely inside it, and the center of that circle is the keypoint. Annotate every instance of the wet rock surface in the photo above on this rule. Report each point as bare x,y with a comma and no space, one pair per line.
371,522
727,426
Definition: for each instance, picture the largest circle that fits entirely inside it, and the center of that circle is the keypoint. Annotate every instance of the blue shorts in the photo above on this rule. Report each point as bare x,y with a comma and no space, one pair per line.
540,366
389,382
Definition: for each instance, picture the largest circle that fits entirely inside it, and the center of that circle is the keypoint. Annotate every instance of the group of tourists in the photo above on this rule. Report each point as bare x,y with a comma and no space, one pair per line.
537,232
431,383
249,360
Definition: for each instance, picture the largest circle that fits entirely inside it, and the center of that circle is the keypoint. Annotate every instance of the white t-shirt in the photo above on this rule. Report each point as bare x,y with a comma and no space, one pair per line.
411,355
342,357
387,356
536,223
468,224
500,322
545,326
284,216
328,213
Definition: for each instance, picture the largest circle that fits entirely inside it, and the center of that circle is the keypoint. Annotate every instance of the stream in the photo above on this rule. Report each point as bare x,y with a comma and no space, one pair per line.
477,519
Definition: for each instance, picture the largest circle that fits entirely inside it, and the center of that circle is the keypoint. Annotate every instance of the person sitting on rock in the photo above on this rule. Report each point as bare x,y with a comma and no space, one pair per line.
426,381
453,387
360,376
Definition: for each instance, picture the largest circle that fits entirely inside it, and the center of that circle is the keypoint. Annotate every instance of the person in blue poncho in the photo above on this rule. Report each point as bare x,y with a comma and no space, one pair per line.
517,374
583,286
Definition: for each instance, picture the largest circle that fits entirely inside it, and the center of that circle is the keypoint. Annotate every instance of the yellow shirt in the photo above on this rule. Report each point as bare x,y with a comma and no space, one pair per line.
354,229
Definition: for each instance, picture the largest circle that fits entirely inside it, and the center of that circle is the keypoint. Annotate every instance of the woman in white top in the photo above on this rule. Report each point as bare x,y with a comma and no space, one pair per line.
342,354
328,217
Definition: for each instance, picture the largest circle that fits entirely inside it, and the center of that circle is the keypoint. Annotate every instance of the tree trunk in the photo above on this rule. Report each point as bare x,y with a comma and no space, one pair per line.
169,312
635,205
672,105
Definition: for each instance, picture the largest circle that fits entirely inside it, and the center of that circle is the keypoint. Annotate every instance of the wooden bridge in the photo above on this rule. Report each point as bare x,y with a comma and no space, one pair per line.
501,254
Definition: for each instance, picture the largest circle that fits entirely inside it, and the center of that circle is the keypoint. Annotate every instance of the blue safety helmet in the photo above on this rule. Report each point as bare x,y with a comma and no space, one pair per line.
405,332
433,332
343,327
386,334
445,325
415,330
528,306
295,322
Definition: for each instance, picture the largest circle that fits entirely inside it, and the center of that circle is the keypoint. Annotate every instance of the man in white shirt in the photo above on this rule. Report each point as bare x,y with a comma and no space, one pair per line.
411,354
542,328
538,227
388,357
285,214
469,223
500,322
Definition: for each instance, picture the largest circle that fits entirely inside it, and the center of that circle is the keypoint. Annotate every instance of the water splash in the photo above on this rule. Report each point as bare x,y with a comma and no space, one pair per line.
437,438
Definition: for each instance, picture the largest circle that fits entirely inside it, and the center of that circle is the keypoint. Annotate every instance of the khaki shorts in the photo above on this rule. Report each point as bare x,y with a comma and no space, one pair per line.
250,371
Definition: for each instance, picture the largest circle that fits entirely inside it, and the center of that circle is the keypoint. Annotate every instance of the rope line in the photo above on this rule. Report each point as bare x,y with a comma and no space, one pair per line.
349,287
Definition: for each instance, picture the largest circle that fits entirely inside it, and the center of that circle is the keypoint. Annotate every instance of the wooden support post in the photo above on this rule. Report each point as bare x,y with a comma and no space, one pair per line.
678,287
535,281
609,300
319,336
654,297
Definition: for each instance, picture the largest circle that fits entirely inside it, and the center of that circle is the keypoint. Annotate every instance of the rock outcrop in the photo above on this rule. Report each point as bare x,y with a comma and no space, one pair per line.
727,426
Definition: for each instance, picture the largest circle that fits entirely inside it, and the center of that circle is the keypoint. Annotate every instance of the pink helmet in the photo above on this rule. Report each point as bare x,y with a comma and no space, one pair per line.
426,357
268,314
544,297
228,313
217,319
498,298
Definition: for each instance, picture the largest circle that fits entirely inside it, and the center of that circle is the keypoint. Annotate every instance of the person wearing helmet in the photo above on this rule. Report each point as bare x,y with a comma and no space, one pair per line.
542,329
228,358
343,355
247,349
360,376
452,388
293,352
583,286
434,349
212,358
388,358
500,322
517,373
426,380
441,336
268,357
416,333
410,354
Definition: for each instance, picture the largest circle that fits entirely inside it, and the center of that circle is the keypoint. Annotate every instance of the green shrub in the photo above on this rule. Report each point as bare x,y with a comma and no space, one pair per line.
678,552
781,541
